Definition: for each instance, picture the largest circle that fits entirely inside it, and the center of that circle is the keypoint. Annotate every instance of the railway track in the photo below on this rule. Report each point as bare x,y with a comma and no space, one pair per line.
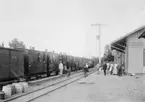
33,95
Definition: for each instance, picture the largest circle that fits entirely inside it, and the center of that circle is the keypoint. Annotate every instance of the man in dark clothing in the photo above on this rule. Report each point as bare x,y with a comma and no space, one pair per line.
68,68
104,68
67,65
119,67
75,65
86,70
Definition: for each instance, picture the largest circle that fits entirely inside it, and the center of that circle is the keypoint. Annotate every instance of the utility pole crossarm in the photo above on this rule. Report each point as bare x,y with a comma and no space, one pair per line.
97,24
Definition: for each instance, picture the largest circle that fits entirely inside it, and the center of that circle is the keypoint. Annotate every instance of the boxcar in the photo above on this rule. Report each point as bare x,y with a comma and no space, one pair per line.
4,64
11,64
53,63
16,63
35,63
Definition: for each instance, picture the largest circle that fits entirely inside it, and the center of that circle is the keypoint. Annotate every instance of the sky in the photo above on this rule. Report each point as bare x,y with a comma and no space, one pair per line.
65,25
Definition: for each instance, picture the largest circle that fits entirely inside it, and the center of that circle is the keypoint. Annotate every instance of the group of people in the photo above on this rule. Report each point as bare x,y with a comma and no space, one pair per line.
113,69
67,67
107,67
64,66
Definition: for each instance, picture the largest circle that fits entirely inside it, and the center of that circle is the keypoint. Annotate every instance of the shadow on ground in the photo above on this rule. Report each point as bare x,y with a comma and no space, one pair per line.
86,83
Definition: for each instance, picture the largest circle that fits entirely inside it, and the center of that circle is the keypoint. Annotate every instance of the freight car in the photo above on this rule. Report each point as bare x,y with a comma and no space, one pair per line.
11,64
18,63
35,63
53,63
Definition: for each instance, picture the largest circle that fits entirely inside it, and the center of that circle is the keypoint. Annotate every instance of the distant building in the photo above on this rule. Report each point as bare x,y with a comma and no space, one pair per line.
130,51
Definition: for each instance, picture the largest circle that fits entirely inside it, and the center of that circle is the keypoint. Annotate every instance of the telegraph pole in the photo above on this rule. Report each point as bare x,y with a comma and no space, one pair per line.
99,38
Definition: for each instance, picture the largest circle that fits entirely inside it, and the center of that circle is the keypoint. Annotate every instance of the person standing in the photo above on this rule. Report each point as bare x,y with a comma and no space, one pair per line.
75,64
61,68
123,69
68,69
115,69
111,68
108,67
65,68
105,68
98,68
119,67
86,70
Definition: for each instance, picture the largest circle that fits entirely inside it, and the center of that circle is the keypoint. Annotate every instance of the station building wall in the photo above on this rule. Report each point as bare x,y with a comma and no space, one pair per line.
135,54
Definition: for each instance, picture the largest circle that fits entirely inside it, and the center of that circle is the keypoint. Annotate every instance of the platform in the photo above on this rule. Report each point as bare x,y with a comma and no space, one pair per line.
100,88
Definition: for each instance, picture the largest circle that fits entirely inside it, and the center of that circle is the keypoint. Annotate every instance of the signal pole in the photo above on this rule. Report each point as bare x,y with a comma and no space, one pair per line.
99,38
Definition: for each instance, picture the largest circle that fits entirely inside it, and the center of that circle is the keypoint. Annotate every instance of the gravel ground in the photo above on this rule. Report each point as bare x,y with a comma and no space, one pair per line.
99,88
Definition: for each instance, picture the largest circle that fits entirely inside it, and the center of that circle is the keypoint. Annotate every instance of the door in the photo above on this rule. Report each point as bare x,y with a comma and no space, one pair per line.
4,64
48,63
26,65
135,60
17,64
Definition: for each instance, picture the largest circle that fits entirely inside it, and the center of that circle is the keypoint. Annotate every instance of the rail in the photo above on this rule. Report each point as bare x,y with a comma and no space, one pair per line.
28,97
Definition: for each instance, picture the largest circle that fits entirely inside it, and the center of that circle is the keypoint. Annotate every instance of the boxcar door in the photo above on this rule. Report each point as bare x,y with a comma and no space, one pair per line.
17,64
48,63
39,63
26,65
44,63
4,64
32,62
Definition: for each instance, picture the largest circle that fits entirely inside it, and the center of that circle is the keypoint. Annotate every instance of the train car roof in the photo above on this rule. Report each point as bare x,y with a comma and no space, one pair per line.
21,50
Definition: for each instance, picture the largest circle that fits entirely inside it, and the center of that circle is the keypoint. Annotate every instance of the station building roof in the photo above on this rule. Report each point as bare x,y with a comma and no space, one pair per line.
120,43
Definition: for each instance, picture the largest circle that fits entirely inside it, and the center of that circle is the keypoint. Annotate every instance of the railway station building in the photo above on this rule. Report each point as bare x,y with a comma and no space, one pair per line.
130,51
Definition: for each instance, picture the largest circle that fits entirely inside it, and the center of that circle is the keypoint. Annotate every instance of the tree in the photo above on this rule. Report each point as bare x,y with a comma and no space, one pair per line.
107,50
95,60
15,43
107,54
